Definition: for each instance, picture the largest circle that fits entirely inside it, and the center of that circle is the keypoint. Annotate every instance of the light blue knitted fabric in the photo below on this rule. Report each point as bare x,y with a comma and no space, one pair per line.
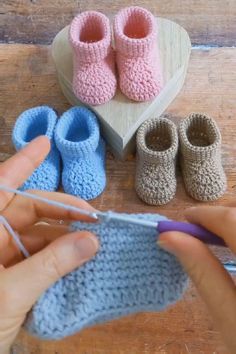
77,136
129,274
31,124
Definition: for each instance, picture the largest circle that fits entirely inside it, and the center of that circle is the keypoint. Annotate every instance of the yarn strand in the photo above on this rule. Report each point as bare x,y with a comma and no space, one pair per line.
49,201
15,236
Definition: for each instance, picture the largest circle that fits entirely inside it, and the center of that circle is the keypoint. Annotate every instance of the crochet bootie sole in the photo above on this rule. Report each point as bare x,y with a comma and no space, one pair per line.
207,198
202,195
152,199
46,177
129,274
95,182
121,117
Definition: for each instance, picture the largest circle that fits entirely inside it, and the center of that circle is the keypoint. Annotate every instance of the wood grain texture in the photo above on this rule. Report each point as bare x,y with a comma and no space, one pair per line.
28,78
37,21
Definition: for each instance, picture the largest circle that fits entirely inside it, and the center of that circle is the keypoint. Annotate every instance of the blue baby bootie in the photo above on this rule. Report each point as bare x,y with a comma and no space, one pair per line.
78,139
31,124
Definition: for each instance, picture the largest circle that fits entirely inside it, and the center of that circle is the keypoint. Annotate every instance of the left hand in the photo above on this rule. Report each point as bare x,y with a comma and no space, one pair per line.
55,252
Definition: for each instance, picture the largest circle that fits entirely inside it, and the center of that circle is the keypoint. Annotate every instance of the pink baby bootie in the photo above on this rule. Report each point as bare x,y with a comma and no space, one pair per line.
94,80
140,76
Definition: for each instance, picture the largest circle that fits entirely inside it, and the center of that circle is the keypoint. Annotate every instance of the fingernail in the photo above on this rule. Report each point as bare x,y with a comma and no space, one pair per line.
190,210
164,245
87,247
42,223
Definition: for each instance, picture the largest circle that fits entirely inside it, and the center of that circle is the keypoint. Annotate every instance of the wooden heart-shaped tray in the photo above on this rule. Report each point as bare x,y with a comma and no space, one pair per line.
121,117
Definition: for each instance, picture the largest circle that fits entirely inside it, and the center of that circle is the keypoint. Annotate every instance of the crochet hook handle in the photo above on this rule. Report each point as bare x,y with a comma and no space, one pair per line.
197,231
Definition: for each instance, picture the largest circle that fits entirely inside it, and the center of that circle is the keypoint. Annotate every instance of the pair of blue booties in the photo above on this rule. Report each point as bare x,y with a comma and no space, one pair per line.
76,138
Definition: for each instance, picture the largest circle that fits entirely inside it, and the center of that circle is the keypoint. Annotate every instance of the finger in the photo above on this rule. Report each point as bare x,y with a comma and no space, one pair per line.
34,239
34,275
218,219
30,211
14,171
4,239
37,237
9,252
211,279
7,243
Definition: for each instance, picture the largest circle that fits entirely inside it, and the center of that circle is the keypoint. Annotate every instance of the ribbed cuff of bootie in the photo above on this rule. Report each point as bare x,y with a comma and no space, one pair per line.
67,134
33,123
157,141
90,36
135,31
200,137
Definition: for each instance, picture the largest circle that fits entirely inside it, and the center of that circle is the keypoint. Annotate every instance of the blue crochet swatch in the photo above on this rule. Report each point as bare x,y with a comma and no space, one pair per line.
77,136
129,274
31,124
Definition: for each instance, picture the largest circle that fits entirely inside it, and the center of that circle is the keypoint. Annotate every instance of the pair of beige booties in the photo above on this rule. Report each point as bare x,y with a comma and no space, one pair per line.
158,143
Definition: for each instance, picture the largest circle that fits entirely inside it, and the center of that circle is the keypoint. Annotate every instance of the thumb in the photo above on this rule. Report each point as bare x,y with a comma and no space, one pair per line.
211,279
34,275
203,267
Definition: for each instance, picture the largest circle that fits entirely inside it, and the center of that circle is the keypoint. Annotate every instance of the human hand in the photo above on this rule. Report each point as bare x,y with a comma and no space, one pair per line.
211,279
55,252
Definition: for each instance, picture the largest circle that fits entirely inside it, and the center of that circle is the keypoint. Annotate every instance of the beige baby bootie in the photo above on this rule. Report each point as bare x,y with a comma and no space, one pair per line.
200,143
157,146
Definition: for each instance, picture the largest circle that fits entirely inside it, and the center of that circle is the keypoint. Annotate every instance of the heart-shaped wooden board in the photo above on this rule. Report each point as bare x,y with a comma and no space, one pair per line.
121,117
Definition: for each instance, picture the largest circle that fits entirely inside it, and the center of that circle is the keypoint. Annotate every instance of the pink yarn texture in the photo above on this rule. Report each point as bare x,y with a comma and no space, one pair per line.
94,80
137,55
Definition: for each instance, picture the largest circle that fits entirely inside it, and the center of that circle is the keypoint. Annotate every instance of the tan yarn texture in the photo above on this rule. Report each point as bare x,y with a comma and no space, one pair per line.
157,146
200,147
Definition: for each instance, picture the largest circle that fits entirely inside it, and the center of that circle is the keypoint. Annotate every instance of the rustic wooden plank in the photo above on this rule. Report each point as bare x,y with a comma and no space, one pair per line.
27,78
208,22
209,87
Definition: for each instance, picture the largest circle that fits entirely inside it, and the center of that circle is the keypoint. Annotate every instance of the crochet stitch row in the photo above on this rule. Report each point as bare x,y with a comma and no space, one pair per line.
129,274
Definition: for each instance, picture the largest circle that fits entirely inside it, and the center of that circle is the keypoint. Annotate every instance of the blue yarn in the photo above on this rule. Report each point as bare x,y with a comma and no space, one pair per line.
31,124
129,274
77,136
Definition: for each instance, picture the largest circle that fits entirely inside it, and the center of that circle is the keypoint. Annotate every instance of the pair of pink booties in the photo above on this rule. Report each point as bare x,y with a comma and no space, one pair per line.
136,55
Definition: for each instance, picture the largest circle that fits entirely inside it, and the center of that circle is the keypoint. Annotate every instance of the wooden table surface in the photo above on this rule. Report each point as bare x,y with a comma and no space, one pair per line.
27,78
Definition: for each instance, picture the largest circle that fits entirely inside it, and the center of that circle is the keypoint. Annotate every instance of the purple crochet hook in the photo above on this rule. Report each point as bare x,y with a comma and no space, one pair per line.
196,231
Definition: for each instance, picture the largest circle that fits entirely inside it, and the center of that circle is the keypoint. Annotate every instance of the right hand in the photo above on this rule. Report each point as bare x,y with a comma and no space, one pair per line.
213,282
